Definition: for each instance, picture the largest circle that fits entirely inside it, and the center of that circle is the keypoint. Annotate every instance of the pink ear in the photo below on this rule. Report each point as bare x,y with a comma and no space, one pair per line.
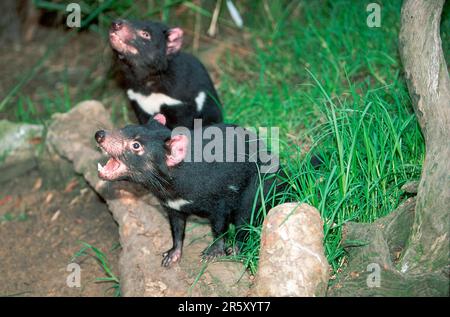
174,40
178,149
160,118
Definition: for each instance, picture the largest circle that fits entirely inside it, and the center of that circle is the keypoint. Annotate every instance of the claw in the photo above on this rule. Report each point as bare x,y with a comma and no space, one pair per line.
171,256
212,252
232,250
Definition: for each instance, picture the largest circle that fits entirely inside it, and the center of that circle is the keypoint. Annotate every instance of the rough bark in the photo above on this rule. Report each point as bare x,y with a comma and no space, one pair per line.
429,86
381,244
411,245
143,228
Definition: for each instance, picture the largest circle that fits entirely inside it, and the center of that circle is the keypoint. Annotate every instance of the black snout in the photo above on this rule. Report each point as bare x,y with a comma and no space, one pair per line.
100,136
116,25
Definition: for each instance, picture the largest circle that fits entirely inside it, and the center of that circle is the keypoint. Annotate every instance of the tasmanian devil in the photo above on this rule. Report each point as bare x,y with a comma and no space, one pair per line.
211,172
159,78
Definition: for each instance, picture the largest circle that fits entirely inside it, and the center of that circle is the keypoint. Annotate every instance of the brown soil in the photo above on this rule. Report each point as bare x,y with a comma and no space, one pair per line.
44,213
58,65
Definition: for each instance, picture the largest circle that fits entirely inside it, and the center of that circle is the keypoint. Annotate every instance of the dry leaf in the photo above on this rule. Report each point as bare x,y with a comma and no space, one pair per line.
37,184
48,198
55,215
71,185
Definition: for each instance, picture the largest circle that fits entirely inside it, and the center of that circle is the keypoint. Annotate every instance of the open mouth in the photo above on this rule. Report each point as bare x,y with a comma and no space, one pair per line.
119,45
113,169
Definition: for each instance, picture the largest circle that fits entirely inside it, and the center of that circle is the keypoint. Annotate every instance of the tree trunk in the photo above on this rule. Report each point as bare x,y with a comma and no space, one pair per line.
406,253
429,86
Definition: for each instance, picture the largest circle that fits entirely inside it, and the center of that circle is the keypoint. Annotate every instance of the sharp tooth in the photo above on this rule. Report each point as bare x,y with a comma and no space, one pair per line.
99,167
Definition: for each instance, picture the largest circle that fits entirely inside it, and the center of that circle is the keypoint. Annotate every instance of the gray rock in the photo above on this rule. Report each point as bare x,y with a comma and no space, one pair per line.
18,148
17,138
292,259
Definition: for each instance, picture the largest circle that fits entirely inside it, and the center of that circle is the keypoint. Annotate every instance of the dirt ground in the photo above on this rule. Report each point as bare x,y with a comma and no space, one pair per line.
44,214
45,208
46,211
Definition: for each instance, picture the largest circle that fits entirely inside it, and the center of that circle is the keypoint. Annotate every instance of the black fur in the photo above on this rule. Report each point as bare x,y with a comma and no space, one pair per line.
178,75
223,192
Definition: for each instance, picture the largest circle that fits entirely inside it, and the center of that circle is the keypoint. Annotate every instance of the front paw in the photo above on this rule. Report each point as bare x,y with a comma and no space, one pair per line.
171,256
212,252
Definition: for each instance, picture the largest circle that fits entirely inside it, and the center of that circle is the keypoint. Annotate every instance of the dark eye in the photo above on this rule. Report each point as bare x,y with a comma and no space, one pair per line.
136,146
144,34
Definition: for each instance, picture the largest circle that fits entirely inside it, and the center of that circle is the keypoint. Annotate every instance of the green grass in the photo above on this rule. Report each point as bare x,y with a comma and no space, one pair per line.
9,217
331,84
335,89
100,257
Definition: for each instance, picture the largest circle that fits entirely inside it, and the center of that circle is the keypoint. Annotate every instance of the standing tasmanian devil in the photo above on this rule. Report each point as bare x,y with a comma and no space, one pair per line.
159,78
211,172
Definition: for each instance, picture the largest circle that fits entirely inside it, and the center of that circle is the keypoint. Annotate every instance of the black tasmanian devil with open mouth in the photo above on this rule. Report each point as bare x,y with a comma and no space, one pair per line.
221,190
159,78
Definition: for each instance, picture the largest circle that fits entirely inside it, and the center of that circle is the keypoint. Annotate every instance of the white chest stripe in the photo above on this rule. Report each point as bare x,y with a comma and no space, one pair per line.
152,103
177,203
200,100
